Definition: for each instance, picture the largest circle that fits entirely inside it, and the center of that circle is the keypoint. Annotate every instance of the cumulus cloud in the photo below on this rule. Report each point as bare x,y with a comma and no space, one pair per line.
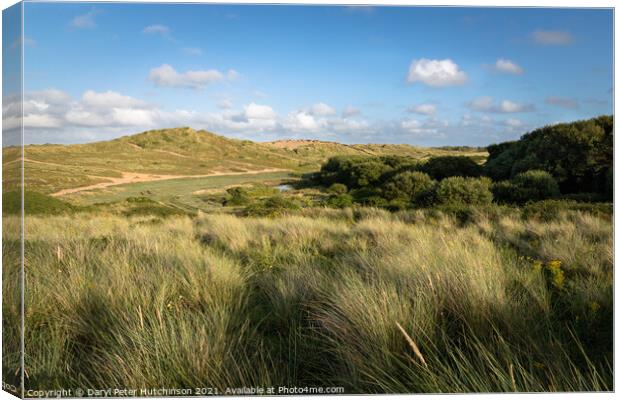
156,30
302,121
258,111
423,109
167,76
429,128
552,38
322,109
109,99
437,73
507,67
85,20
563,102
487,104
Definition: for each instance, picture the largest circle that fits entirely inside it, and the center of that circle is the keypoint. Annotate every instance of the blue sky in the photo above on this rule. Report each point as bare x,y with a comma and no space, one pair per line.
426,76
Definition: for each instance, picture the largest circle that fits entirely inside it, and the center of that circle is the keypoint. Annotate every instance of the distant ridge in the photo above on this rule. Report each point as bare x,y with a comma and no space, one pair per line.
51,168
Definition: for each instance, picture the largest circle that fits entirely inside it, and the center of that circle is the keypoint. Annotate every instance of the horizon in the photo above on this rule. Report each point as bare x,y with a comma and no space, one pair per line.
281,139
424,76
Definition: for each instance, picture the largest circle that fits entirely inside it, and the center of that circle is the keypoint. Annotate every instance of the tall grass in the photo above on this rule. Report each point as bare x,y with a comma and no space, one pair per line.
371,301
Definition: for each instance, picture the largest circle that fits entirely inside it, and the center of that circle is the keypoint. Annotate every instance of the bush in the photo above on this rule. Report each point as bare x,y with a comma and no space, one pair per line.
366,173
337,188
527,186
340,200
447,166
504,192
238,197
458,190
537,184
271,207
415,187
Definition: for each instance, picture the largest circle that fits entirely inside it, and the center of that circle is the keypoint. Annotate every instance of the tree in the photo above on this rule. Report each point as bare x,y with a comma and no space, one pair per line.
577,154
446,166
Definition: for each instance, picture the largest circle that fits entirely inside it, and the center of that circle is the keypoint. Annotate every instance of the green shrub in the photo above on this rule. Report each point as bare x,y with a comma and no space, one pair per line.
337,188
147,206
447,166
458,190
537,185
527,186
414,187
271,207
238,197
340,200
504,191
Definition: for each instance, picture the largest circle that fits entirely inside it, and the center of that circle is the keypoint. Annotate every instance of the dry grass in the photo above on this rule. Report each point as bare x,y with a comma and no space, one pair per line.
371,301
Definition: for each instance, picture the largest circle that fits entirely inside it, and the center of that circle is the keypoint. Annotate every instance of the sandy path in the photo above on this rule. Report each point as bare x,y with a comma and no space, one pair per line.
133,177
36,162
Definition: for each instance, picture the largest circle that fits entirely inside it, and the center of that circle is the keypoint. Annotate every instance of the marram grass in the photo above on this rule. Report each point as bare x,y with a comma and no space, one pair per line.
370,301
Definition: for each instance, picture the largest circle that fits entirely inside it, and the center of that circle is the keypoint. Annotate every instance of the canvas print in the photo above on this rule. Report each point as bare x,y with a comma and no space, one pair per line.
221,199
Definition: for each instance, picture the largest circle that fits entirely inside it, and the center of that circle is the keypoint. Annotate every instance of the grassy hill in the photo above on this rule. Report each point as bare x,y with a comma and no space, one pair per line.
179,151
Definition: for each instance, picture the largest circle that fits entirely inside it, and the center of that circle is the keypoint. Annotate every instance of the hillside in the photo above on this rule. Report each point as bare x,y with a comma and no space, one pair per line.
178,152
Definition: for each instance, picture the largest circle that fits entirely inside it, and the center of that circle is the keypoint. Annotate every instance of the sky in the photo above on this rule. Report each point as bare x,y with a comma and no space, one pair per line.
422,76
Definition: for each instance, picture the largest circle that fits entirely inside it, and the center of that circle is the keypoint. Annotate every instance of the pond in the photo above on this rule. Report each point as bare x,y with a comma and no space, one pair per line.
284,187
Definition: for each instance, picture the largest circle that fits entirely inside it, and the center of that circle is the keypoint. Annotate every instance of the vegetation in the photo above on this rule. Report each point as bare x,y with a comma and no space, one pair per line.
367,300
34,203
392,269
458,190
579,155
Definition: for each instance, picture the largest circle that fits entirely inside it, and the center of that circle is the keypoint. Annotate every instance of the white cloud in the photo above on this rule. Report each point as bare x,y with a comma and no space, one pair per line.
513,123
563,102
552,38
165,75
156,30
85,20
193,51
109,99
302,121
486,104
350,111
437,73
507,106
508,67
322,109
258,111
423,109
424,129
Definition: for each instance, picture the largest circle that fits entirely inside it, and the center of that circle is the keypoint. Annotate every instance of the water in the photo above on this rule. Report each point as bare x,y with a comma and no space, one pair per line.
284,187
